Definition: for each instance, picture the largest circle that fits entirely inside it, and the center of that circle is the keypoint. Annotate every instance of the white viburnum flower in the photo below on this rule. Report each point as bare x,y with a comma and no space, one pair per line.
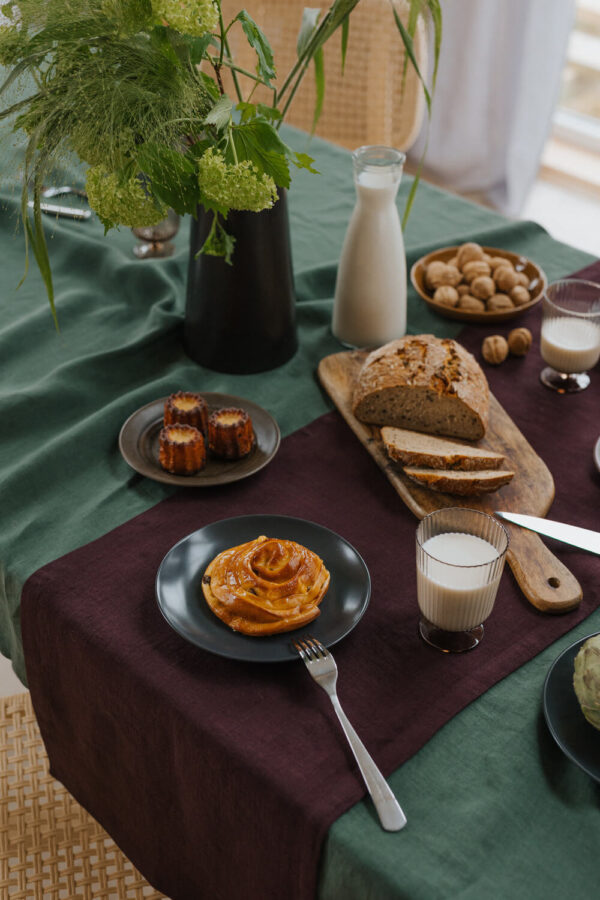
236,186
194,17
122,203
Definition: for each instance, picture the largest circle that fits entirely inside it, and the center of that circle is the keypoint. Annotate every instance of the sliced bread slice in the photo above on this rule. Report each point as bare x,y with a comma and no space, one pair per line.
453,481
413,448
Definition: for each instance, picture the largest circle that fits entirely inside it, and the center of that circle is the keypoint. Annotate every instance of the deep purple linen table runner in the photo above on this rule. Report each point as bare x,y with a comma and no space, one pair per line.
219,778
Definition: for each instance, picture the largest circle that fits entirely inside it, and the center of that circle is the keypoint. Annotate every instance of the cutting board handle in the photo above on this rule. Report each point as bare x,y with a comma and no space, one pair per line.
546,583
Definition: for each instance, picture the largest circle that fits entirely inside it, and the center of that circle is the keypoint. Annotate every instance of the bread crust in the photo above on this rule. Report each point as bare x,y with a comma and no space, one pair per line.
426,384
466,484
412,448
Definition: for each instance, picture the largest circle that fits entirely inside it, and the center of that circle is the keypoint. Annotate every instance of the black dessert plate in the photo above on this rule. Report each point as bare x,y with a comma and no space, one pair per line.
181,601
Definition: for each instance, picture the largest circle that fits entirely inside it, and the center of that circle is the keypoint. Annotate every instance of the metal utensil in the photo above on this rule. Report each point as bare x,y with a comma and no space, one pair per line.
321,665
568,534
63,212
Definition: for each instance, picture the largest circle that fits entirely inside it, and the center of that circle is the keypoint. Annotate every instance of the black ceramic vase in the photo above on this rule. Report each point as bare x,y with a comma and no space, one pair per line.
241,318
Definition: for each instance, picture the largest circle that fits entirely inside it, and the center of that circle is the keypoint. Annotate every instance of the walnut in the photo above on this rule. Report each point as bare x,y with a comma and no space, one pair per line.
523,280
505,277
483,287
433,274
438,273
454,262
497,261
473,304
519,341
446,294
494,349
462,289
467,252
475,268
498,302
520,295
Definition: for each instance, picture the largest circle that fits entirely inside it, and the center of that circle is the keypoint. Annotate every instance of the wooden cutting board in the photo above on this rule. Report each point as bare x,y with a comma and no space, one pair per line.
544,580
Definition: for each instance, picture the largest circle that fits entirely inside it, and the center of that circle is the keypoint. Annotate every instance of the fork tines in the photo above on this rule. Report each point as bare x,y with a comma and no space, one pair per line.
311,648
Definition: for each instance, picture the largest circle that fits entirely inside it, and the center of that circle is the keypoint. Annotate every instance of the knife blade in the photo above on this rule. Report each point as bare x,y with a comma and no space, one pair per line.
583,538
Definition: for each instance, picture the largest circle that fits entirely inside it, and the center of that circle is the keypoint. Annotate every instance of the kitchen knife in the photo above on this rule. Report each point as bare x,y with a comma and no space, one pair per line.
568,534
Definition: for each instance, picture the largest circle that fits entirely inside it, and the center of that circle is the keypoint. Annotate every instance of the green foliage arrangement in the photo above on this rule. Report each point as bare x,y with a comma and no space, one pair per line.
135,89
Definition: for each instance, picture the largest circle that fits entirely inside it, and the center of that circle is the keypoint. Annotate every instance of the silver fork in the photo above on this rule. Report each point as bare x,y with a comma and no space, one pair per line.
321,665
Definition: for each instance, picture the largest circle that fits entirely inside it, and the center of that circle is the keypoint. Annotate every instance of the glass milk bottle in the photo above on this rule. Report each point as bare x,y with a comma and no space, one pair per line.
370,293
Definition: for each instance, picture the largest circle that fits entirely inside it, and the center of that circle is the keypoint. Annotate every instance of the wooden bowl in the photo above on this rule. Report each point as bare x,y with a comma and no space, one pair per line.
537,285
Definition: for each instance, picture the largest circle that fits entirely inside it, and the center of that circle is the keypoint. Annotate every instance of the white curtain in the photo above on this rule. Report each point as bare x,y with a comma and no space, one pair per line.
498,83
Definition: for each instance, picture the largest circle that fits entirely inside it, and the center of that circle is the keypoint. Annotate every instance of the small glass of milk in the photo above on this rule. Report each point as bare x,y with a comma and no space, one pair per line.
570,338
460,558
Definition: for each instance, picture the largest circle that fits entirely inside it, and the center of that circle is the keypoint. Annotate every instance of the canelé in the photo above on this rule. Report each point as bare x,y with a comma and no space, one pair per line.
186,408
230,433
182,450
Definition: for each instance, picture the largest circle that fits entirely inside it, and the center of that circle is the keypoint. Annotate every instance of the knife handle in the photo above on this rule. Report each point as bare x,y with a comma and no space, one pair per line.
545,581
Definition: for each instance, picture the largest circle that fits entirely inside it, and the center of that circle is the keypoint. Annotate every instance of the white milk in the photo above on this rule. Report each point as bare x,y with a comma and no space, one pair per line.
570,344
450,596
370,293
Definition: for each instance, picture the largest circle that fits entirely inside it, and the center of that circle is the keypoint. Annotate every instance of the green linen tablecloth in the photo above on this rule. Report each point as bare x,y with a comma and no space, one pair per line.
498,811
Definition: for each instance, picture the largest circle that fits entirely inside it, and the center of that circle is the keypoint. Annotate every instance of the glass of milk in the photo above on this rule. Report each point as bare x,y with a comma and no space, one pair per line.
570,338
460,558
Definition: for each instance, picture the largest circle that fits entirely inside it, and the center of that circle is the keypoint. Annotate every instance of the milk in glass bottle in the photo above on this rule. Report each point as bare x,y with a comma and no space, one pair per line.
370,294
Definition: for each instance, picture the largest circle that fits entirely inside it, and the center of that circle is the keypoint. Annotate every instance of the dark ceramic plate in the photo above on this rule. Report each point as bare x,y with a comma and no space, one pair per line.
180,598
138,442
578,740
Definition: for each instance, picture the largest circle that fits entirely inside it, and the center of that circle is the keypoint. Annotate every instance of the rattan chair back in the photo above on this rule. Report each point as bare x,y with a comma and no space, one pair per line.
372,102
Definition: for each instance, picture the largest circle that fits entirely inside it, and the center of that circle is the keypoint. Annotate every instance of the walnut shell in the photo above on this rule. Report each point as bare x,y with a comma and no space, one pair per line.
520,295
519,341
467,252
454,262
462,289
523,280
494,349
505,277
446,294
473,304
475,268
483,287
499,302
439,273
497,261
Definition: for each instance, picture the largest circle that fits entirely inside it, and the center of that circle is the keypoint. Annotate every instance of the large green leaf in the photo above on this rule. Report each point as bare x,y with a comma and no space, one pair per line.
320,87
308,26
220,114
260,143
172,176
260,44
410,52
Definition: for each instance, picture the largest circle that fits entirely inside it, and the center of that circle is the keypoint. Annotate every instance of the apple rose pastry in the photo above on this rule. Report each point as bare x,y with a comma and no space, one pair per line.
265,586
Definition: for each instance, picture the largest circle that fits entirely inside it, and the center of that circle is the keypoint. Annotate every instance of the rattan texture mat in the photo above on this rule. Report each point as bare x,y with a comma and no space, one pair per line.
50,847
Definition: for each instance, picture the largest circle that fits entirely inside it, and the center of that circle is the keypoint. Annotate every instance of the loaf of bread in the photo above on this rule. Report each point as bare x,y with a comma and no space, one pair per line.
412,448
426,384
452,481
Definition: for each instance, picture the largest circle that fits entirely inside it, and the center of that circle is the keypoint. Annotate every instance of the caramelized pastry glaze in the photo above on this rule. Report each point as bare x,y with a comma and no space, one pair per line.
230,433
182,450
186,408
266,586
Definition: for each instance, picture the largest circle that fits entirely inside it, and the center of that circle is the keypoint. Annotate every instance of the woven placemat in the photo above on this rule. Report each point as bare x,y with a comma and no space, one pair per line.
50,847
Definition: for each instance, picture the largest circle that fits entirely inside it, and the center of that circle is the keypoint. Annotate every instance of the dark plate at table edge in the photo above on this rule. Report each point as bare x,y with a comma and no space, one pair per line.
549,688
283,638
464,315
239,470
